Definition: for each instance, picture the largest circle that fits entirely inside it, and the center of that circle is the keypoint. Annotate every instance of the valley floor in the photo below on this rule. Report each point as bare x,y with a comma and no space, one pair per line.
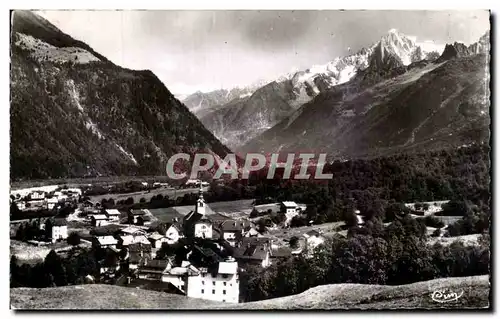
473,293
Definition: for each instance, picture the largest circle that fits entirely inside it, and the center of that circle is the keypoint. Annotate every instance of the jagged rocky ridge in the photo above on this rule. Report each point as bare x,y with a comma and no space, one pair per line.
390,107
74,113
263,110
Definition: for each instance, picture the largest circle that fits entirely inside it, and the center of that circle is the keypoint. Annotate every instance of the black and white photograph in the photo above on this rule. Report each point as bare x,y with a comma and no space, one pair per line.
250,160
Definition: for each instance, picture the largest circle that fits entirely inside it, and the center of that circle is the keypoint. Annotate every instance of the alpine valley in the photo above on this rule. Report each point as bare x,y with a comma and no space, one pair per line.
394,95
74,113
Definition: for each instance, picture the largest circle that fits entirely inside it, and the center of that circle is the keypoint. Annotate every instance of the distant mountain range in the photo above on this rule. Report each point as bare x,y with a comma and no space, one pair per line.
352,105
263,110
74,113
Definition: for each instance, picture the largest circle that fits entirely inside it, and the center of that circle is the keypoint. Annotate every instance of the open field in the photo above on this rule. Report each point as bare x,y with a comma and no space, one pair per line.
476,291
73,182
170,192
31,254
233,209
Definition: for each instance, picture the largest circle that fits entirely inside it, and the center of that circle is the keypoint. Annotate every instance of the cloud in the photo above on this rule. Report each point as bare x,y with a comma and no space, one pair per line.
205,49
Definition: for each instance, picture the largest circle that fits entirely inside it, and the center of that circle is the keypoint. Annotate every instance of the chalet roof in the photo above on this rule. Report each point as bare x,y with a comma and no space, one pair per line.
312,233
232,226
106,240
137,212
255,241
59,222
156,236
99,217
130,239
256,252
155,264
113,212
208,253
229,268
133,230
253,232
289,204
177,226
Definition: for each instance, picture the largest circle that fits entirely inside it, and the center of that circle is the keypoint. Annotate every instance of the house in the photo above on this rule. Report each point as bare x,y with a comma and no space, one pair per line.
51,202
126,240
157,240
195,223
232,231
37,195
110,264
152,269
99,220
218,282
254,250
359,217
131,230
289,209
137,254
172,233
59,229
89,203
20,204
253,254
112,214
105,241
313,239
136,216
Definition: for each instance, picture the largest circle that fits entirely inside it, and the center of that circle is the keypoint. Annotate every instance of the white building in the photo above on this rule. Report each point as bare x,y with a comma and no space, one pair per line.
290,209
99,220
195,223
37,195
105,241
51,202
172,234
218,284
59,230
126,240
222,285
113,214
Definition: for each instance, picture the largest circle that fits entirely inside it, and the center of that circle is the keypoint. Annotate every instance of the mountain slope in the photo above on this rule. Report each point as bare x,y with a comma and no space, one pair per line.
422,105
392,51
73,113
476,291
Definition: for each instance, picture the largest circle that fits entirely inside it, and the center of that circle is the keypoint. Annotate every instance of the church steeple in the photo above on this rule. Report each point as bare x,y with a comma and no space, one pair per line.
200,203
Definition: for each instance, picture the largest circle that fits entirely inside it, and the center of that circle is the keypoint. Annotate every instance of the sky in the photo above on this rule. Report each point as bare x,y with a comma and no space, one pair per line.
208,50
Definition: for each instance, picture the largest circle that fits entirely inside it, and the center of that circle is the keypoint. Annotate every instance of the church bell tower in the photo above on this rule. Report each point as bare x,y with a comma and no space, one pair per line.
200,203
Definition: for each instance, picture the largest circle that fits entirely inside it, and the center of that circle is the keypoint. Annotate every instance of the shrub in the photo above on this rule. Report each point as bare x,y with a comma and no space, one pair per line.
74,239
436,233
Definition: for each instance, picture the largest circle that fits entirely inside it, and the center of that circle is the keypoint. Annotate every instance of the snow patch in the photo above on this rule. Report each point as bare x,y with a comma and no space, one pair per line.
93,127
74,94
129,155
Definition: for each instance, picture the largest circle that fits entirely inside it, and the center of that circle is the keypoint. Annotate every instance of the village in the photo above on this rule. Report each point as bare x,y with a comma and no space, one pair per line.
192,251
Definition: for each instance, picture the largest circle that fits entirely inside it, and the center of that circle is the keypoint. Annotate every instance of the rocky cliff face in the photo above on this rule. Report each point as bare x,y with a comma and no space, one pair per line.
74,113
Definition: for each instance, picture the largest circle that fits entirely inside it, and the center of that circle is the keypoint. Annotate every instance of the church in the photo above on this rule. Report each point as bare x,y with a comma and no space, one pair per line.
196,224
